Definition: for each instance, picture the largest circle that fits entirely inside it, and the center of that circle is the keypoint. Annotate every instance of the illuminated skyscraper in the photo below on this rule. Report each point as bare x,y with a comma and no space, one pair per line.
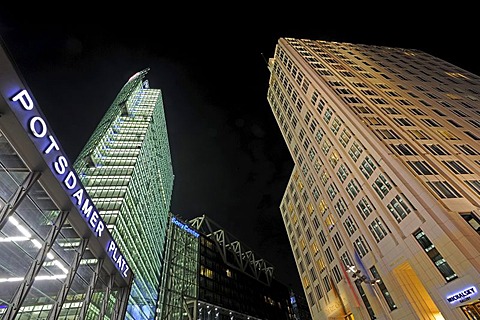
126,168
382,207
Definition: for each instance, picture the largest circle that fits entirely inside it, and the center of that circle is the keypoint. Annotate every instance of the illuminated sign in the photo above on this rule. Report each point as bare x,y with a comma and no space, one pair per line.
462,296
185,227
32,120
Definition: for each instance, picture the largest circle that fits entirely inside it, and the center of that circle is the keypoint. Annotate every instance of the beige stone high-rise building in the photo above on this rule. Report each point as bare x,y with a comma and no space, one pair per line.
382,207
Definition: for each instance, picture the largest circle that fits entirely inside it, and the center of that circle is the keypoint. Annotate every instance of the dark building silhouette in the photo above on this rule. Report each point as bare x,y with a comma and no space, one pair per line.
209,274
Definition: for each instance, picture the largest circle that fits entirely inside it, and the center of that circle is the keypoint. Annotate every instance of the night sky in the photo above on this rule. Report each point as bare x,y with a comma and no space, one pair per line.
228,156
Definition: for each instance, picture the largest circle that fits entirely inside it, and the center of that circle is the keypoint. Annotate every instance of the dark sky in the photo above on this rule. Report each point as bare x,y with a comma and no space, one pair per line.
229,158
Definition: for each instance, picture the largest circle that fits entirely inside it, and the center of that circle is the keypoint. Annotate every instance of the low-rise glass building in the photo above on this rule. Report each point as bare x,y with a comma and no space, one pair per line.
210,274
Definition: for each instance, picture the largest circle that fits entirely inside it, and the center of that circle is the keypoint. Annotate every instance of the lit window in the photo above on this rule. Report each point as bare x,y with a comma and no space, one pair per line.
435,256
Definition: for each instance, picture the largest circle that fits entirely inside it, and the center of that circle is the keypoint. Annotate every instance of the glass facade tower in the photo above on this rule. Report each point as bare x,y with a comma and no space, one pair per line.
126,168
382,206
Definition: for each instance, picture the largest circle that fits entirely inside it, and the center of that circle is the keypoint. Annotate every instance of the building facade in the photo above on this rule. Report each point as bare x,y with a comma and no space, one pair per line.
211,275
382,207
179,283
56,251
126,168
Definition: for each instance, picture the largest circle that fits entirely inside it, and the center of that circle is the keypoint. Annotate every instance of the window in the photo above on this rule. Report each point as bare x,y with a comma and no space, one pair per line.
440,113
457,167
467,149
422,167
347,261
350,225
435,256
398,208
334,158
404,102
329,255
367,167
311,153
353,189
383,289
472,220
362,110
337,240
471,135
382,186
385,134
459,113
336,274
443,189
418,134
326,146
361,246
328,115
329,220
374,121
314,98
326,283
324,177
364,207
345,137
343,172
319,292
454,123
431,123
322,237
447,135
317,165
319,135
403,150
417,112
340,207
355,150
378,229
474,122
336,123
436,149
332,191
403,122
352,99
474,184
306,143
308,116
378,100
313,274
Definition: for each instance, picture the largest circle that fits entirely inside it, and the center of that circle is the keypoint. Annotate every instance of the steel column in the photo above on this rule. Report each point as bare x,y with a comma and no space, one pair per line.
35,267
62,295
91,288
17,197
106,297
121,302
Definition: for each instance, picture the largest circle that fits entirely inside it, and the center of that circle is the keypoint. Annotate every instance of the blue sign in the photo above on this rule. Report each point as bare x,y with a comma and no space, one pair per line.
462,296
32,120
185,227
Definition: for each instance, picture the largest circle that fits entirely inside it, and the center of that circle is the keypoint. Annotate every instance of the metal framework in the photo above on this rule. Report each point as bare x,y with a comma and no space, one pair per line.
244,258
91,288
120,307
106,297
62,295
35,267
15,200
